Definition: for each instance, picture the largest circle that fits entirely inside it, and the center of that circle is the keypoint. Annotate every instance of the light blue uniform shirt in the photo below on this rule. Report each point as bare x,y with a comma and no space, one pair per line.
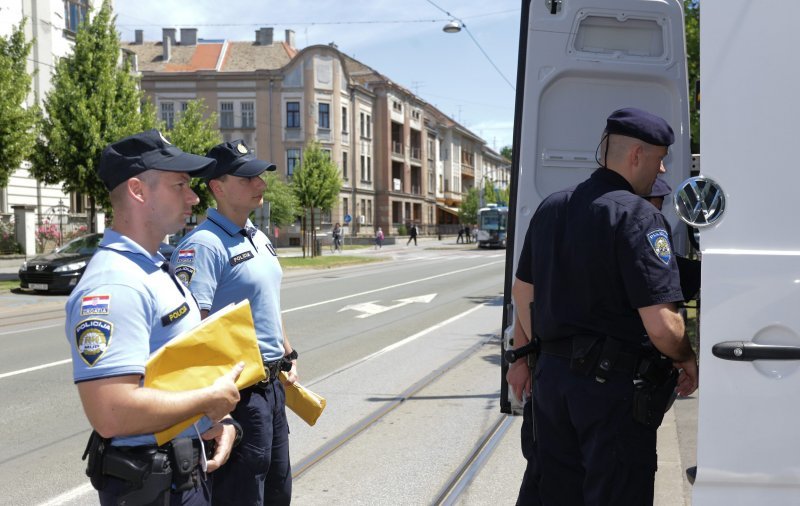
124,309
222,266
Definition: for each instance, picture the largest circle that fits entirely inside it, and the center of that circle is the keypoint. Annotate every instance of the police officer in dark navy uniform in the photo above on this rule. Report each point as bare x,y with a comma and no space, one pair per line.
613,350
688,268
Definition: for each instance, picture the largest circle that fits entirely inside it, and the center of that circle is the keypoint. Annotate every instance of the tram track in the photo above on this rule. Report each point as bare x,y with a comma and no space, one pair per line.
456,483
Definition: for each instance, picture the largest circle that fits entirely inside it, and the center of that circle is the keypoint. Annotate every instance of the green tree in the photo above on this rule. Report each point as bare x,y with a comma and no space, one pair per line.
196,132
507,152
93,101
283,205
468,210
691,10
489,192
316,184
17,122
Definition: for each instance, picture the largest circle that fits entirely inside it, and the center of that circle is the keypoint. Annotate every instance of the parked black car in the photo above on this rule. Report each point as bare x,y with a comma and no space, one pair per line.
61,269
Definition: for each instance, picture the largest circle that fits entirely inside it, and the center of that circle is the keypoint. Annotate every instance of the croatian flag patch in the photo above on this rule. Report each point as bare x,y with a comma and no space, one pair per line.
186,256
95,304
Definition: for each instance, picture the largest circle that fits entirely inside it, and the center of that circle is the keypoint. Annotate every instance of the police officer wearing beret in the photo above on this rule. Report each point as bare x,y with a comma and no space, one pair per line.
599,260
117,316
226,260
688,269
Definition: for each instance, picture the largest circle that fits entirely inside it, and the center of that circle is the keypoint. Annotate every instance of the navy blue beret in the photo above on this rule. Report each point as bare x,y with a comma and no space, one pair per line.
660,189
642,125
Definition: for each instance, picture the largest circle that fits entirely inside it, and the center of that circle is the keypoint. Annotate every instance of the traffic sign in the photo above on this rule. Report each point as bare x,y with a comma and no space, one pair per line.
348,218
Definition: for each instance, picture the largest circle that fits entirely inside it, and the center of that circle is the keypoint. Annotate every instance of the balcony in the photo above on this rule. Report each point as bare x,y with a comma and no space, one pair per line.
397,148
468,171
415,153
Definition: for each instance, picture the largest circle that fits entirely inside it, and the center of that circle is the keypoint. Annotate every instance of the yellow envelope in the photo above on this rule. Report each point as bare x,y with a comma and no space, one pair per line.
196,358
305,403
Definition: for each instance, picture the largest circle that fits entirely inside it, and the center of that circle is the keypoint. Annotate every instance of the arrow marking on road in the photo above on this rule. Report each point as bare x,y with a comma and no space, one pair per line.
370,308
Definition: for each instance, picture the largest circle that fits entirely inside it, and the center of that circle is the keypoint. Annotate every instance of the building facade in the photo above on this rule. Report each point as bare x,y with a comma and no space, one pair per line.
51,25
401,160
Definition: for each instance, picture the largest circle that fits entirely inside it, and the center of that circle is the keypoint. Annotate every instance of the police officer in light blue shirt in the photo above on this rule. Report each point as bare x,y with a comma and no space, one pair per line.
128,305
226,260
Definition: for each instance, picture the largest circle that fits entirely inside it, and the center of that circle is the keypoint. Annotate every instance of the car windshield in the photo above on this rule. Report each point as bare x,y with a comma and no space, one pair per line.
85,245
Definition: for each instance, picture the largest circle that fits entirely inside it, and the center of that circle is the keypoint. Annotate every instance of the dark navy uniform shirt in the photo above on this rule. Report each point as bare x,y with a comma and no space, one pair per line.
594,254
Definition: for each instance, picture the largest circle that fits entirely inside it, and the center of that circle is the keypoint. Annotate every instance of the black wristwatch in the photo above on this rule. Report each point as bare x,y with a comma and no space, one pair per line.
291,356
237,427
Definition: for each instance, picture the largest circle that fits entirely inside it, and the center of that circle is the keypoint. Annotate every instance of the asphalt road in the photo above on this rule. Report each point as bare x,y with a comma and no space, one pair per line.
334,318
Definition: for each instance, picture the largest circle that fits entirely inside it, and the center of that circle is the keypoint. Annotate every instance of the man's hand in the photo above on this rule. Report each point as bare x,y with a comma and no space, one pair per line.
519,378
223,435
291,375
224,394
689,376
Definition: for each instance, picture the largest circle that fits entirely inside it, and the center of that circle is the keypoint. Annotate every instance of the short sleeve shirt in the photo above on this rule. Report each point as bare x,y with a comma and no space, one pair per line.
124,308
221,265
596,253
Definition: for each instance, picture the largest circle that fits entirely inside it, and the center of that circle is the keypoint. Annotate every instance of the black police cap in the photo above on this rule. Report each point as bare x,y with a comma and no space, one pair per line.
236,159
642,125
147,150
660,189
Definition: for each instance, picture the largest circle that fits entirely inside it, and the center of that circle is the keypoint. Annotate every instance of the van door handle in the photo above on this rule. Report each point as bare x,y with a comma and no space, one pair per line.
745,351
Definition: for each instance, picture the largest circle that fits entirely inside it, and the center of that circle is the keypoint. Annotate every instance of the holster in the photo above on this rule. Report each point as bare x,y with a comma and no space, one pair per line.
95,451
585,354
183,455
654,389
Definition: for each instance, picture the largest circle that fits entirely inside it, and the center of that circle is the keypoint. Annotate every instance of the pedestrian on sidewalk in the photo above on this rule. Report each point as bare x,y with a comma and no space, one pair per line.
460,238
379,239
412,234
337,237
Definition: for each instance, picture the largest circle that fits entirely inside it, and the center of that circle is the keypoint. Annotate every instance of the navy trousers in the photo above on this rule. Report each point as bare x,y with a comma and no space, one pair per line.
590,450
198,496
258,471
529,490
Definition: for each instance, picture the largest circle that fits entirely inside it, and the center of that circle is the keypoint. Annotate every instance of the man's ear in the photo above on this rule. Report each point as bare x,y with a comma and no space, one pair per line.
136,188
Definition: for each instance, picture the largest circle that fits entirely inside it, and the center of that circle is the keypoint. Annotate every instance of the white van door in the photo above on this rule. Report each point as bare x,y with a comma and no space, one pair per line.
579,61
748,448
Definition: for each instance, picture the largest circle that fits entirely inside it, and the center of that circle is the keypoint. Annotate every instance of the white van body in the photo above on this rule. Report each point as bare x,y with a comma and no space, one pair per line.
748,447
577,65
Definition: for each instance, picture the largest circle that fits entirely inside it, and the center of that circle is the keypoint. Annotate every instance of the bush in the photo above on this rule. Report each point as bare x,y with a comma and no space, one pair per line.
45,233
8,239
401,230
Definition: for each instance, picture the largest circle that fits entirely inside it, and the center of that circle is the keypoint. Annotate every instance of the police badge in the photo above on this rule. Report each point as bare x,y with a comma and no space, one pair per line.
659,241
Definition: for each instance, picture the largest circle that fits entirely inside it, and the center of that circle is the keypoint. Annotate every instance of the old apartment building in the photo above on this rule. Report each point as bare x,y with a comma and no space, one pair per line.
401,159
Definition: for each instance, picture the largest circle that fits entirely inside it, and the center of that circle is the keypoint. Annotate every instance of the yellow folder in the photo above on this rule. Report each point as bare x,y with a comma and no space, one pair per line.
305,403
196,358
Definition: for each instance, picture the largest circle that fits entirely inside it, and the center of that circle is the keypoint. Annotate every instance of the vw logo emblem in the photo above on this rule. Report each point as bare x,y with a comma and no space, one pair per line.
699,201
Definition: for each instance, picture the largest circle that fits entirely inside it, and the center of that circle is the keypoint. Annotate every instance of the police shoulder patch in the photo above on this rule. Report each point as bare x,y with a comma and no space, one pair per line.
92,339
95,304
184,273
659,241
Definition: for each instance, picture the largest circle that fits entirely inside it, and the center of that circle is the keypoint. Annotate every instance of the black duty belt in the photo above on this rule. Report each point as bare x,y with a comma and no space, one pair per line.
624,361
271,369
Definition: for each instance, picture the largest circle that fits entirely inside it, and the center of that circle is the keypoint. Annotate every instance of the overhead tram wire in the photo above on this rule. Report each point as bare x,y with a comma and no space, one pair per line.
464,26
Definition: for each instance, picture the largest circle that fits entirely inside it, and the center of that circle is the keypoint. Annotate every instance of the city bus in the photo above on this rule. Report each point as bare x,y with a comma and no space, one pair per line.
492,223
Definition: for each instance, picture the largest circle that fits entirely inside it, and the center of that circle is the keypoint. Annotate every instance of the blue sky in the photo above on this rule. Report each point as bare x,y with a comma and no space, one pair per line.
401,39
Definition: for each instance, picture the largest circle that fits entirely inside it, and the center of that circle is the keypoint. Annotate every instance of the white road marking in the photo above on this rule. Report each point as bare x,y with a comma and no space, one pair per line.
70,495
35,368
459,271
370,308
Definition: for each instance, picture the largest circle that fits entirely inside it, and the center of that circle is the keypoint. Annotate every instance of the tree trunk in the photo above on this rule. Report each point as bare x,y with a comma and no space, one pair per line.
303,233
313,236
